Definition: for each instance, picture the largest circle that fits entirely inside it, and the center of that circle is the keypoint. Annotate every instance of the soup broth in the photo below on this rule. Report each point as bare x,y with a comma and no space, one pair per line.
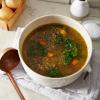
54,50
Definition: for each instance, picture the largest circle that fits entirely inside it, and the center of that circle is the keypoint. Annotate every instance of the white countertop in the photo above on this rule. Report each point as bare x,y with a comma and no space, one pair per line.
33,9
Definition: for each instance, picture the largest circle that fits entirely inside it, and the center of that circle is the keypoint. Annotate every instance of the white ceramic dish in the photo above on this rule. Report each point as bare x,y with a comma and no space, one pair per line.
92,25
48,81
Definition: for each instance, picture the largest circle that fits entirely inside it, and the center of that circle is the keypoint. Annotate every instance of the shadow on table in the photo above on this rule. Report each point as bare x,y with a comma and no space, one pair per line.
98,97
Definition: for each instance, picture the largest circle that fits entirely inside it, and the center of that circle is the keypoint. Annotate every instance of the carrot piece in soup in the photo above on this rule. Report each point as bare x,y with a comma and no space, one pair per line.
75,61
43,42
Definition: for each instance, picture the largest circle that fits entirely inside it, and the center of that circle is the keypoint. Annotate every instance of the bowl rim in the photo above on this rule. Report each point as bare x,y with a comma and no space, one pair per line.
58,78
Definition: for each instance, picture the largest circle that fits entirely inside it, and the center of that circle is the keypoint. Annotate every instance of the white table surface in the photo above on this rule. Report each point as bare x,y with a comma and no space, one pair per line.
33,9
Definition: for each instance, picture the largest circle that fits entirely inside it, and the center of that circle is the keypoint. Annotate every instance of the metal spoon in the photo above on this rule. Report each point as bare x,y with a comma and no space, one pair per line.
9,59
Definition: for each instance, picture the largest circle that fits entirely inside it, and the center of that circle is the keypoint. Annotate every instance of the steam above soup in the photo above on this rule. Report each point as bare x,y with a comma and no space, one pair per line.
54,50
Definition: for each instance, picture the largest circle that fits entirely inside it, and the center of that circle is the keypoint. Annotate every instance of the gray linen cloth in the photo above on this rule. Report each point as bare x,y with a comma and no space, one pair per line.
81,89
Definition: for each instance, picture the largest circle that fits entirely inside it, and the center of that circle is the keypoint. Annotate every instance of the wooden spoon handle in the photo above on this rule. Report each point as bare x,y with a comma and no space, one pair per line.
15,85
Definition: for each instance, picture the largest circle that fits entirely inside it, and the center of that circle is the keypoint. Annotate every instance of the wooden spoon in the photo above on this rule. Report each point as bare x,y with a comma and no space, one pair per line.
9,59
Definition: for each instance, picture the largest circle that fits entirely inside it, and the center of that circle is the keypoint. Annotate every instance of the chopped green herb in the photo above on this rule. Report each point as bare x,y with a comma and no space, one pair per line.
67,56
70,50
59,39
70,47
54,72
69,43
74,51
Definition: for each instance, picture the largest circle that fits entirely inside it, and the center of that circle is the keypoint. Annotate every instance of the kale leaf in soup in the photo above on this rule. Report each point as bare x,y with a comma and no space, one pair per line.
54,50
34,48
54,72
70,49
58,38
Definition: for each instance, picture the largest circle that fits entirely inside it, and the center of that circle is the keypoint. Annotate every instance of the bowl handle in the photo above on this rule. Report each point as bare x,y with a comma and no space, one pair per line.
88,68
87,71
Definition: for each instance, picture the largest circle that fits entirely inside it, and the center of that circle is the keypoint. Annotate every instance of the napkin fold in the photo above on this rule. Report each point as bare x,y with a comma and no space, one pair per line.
81,89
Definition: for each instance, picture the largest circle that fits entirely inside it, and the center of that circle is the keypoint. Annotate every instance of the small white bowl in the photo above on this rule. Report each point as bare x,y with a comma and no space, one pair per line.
92,25
48,81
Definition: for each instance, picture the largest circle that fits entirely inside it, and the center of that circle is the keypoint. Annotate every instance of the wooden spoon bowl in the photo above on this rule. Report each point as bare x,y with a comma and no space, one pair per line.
9,59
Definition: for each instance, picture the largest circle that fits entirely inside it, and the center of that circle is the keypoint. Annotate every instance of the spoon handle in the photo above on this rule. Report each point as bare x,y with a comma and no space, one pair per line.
15,85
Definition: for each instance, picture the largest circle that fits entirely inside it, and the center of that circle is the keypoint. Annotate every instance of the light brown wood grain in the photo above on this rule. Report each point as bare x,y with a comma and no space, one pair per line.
8,24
